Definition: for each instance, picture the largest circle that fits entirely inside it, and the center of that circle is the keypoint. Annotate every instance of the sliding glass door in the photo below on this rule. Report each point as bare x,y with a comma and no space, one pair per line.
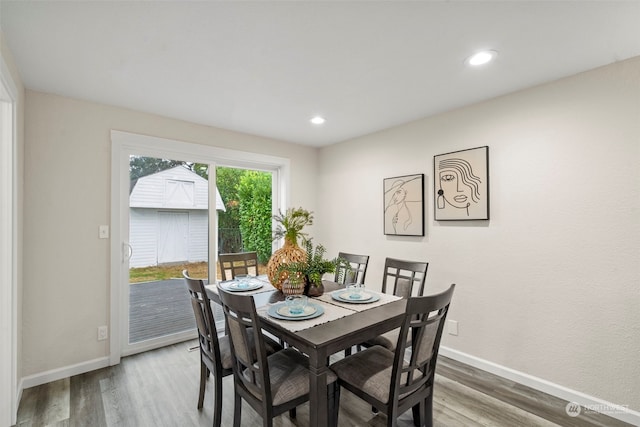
165,218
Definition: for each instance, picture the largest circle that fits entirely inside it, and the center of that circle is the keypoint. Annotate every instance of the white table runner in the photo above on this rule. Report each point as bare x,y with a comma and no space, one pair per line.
384,299
263,280
331,312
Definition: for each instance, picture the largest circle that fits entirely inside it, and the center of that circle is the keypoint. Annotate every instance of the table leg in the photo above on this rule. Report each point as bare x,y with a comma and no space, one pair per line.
318,405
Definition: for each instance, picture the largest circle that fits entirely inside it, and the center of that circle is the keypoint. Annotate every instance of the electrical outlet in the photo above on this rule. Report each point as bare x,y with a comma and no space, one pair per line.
103,232
103,333
452,327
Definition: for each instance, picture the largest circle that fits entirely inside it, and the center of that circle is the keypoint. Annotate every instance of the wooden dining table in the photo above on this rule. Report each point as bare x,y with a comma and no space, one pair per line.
319,342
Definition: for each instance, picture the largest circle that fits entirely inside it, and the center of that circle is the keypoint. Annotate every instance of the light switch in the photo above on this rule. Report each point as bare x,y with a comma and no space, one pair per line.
104,232
452,327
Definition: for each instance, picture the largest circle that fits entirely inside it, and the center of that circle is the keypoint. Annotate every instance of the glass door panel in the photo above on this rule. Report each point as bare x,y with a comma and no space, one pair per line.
168,233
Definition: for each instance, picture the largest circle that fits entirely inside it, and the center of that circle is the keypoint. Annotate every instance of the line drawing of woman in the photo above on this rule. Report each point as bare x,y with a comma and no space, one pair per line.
459,187
396,205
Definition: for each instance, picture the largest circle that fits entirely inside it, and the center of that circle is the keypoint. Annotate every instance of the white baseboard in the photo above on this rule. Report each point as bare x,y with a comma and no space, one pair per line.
593,403
60,373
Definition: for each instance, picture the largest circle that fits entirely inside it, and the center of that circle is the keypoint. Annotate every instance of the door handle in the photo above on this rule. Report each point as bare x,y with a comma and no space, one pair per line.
127,251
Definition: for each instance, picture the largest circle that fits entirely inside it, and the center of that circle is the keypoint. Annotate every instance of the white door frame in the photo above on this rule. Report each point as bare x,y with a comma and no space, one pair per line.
8,250
125,144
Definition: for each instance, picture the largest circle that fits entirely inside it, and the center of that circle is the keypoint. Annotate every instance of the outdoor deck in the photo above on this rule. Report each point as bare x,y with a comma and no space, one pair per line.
159,308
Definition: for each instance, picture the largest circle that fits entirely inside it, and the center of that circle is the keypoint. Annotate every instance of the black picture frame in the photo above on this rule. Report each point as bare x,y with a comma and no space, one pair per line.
404,205
461,185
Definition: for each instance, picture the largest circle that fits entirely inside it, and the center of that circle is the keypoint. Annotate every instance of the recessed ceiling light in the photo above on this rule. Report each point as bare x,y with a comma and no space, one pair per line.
481,58
318,120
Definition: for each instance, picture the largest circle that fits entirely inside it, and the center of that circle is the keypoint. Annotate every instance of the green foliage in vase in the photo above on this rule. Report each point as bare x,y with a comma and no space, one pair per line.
314,266
291,223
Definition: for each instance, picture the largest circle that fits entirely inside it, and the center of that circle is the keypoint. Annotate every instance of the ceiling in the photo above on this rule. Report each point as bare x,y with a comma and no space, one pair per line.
267,67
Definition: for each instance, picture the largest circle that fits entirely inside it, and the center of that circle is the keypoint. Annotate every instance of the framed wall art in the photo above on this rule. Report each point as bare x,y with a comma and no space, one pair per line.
461,185
404,205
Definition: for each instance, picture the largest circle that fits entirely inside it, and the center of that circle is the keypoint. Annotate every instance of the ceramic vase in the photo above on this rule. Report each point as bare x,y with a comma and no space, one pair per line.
315,289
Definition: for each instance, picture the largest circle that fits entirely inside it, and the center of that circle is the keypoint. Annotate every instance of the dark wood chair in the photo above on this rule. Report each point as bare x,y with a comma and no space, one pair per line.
404,276
270,384
393,382
401,278
234,264
358,270
215,353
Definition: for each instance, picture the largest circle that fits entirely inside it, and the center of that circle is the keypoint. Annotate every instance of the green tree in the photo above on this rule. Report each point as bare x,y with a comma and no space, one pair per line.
140,166
201,169
229,236
254,193
227,181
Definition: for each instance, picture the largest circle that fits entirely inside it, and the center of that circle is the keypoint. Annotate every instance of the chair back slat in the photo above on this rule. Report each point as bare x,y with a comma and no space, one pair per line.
403,277
358,270
234,264
420,336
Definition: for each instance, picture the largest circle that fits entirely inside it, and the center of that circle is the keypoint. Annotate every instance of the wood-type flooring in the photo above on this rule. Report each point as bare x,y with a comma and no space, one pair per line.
160,388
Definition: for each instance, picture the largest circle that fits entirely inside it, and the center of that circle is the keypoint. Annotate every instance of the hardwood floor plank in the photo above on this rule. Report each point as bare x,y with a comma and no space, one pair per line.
483,409
116,399
27,407
520,396
85,401
52,406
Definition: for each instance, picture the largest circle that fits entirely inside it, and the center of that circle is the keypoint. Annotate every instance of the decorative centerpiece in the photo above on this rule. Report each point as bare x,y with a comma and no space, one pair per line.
306,276
290,226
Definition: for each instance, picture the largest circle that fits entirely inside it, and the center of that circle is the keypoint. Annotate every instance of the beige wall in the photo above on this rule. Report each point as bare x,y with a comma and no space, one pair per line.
67,196
548,286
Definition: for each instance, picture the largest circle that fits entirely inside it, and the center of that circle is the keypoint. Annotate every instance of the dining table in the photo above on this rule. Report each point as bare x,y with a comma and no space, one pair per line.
341,325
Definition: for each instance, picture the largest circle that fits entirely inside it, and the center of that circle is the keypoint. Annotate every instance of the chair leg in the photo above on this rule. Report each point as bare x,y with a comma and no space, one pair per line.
418,414
237,409
334,403
217,407
428,410
292,413
347,352
392,419
267,422
203,383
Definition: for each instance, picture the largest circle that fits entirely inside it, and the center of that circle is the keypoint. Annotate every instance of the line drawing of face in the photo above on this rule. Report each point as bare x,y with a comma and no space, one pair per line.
397,205
397,213
399,195
459,187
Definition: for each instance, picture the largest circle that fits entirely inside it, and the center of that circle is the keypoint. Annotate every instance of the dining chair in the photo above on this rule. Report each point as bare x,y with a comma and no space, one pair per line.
393,382
233,264
357,273
401,277
215,353
270,384
358,270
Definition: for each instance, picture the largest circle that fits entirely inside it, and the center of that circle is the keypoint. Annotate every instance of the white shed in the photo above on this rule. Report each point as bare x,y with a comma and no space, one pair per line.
168,218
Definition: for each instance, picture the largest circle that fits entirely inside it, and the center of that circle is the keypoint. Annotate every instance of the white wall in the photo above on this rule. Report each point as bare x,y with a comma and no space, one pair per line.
550,285
67,196
16,327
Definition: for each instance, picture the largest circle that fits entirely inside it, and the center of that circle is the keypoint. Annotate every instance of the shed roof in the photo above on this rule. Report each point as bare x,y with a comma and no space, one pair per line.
175,188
